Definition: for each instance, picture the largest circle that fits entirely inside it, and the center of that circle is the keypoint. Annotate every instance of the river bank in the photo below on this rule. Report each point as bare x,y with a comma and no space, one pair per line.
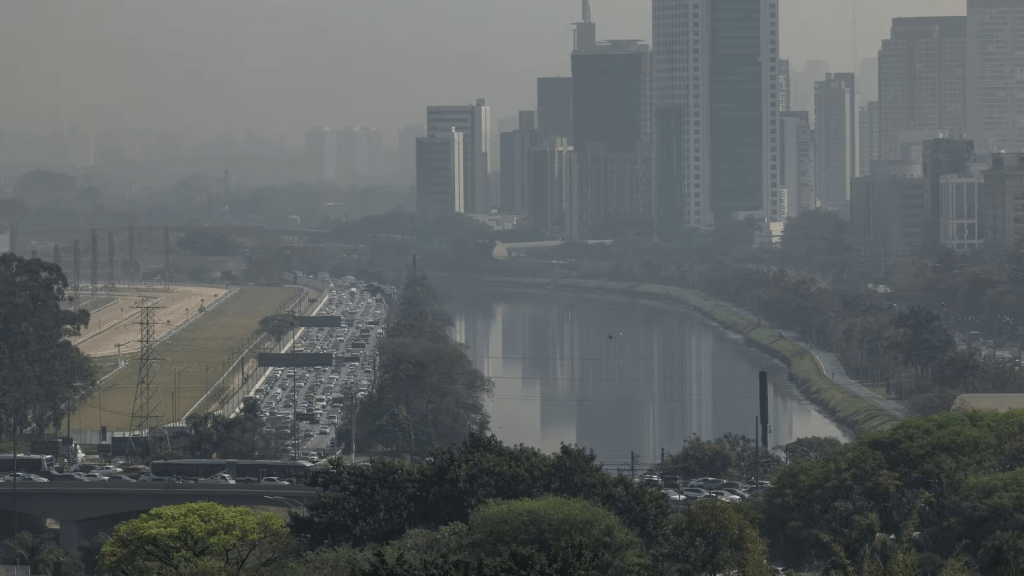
851,410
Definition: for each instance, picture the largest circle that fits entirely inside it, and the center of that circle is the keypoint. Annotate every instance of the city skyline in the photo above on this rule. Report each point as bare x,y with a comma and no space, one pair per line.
129,65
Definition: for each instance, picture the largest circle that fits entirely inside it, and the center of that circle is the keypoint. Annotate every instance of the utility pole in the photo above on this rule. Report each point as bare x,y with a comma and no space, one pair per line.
632,465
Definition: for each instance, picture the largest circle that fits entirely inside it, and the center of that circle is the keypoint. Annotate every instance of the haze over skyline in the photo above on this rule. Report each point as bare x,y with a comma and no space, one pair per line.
271,66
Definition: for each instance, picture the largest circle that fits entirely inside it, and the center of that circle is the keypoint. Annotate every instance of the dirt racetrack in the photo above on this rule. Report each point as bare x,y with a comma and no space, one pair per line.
118,323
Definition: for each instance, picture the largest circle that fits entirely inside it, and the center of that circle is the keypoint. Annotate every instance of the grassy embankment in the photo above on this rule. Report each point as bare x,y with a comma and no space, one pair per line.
842,405
209,341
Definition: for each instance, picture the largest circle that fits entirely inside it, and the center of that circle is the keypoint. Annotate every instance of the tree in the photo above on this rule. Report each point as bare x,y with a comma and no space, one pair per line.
41,554
714,537
43,185
379,503
199,537
42,374
957,476
555,536
428,391
276,326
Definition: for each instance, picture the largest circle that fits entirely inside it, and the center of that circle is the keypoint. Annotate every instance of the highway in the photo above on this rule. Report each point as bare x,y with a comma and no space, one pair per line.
326,393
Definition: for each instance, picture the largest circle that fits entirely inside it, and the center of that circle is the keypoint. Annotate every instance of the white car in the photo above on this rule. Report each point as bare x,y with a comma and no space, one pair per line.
222,478
23,477
108,470
274,481
725,496
696,493
324,430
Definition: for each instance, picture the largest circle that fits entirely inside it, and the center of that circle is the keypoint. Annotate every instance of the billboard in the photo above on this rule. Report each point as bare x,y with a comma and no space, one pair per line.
294,360
318,321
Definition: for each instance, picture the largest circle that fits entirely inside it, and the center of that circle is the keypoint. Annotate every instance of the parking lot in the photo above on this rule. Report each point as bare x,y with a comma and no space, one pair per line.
309,402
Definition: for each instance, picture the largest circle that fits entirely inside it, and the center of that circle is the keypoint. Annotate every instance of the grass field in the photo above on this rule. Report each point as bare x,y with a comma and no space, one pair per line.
200,352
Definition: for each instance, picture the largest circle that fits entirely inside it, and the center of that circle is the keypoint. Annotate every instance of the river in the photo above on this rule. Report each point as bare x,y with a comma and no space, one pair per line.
619,377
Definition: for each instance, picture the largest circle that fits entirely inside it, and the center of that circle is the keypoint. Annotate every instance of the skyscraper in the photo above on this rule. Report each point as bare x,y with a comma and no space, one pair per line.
942,157
407,153
360,155
867,81
869,138
995,75
554,107
611,97
319,155
796,161
784,93
801,85
715,68
833,167
548,167
516,149
439,174
921,79
474,123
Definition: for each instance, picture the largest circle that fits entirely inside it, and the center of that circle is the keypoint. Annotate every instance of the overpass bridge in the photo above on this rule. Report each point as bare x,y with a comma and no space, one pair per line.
85,509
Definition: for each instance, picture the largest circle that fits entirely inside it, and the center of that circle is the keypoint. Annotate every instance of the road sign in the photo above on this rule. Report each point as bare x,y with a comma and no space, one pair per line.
294,360
318,321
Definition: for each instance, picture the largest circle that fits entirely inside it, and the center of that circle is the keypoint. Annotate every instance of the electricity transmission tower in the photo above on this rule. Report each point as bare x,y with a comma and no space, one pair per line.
76,254
146,406
94,270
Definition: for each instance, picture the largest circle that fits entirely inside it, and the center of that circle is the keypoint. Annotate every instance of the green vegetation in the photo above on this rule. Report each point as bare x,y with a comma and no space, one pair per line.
201,351
198,538
949,483
41,372
427,390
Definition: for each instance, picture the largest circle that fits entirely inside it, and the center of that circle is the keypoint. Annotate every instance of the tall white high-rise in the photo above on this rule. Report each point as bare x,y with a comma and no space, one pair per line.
715,76
439,174
473,121
320,155
995,75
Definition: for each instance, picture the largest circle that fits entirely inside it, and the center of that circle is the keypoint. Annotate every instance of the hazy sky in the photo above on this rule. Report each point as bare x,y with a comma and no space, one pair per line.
287,65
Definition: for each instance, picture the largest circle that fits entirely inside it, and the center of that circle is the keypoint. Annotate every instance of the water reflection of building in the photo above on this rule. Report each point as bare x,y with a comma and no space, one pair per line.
660,377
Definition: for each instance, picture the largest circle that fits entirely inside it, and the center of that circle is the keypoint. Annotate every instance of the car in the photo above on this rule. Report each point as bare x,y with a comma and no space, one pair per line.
94,477
675,499
23,477
725,496
69,477
324,430
737,492
696,493
649,480
308,434
672,482
119,478
275,481
107,470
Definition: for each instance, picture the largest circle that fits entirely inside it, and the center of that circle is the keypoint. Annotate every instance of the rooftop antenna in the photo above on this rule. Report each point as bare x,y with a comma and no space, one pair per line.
585,33
854,50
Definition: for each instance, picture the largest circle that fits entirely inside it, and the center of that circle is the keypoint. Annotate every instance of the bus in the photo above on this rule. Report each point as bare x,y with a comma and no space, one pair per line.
31,463
243,471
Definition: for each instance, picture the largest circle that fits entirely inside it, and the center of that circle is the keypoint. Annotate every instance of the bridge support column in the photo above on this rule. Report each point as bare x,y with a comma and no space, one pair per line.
70,536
